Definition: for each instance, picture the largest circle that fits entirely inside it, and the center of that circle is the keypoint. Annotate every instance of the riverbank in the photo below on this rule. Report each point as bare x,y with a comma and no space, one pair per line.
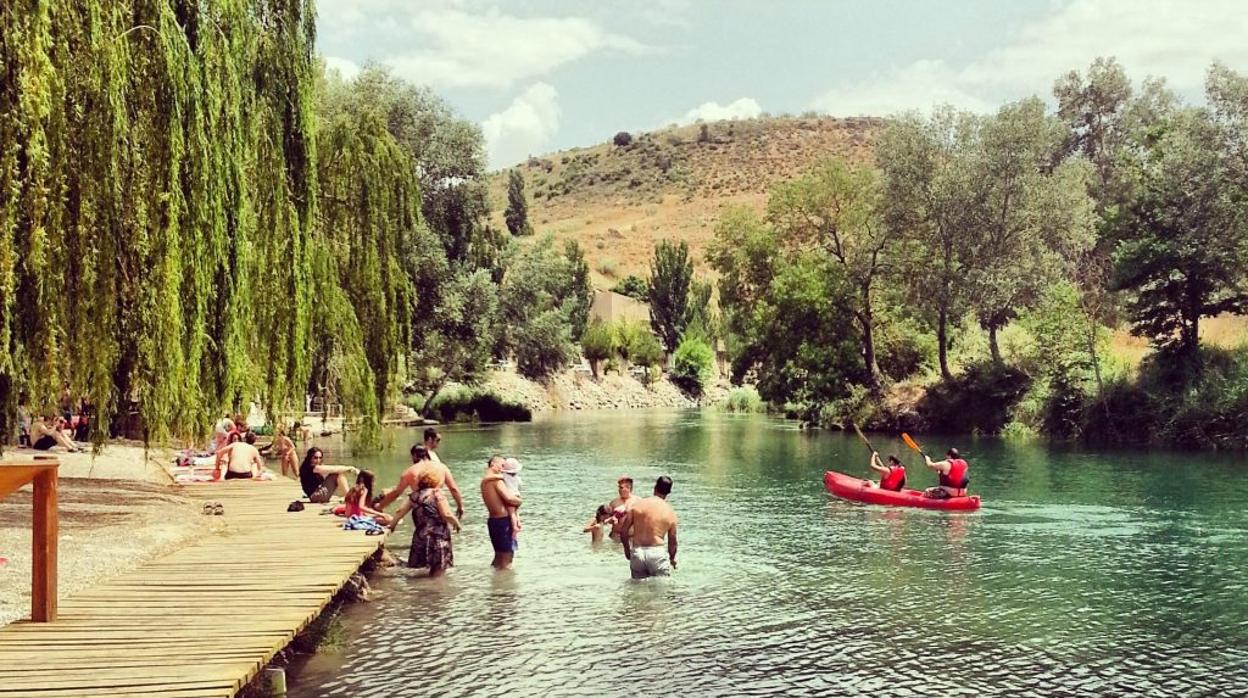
572,390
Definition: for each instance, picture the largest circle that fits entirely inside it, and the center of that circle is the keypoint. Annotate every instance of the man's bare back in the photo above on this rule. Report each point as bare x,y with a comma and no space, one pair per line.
241,457
652,518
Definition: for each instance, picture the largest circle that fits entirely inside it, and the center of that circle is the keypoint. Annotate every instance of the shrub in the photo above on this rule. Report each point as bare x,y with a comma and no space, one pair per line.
461,403
608,267
598,344
981,399
634,287
622,138
744,399
692,365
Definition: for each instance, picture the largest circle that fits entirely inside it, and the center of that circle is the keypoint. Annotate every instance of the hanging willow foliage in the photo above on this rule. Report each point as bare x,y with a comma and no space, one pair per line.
158,215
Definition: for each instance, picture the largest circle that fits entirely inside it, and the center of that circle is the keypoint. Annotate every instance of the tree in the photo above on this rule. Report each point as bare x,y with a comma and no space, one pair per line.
671,273
836,207
538,287
645,351
622,138
1185,245
454,340
1094,110
580,294
745,252
598,344
517,213
544,345
692,365
928,186
1025,219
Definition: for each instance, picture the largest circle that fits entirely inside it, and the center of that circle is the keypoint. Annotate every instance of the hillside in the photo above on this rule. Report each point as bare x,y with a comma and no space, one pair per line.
618,200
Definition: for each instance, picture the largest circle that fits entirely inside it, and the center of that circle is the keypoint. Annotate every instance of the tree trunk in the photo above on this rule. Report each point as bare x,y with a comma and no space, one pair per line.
1096,362
437,388
992,344
942,342
868,352
593,368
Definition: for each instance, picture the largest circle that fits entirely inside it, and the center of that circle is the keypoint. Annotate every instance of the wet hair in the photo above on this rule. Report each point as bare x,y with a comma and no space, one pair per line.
663,485
234,438
953,453
307,458
894,459
625,481
427,479
603,513
250,437
419,453
367,479
489,463
431,434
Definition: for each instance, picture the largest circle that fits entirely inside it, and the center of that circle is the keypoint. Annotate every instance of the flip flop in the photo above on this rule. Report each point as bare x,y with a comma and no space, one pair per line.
218,509
207,509
374,532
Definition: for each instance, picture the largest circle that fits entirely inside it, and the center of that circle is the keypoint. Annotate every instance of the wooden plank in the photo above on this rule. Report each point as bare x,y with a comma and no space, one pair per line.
201,621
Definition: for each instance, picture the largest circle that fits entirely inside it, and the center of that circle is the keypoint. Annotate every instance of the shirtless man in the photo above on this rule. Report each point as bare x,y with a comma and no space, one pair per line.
48,432
422,462
241,458
643,529
497,497
432,440
621,504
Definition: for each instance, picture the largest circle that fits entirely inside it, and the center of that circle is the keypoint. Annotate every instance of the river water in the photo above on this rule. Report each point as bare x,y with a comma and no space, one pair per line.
1083,574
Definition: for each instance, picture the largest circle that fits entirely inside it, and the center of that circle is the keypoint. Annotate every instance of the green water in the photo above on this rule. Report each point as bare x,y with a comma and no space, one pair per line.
1085,573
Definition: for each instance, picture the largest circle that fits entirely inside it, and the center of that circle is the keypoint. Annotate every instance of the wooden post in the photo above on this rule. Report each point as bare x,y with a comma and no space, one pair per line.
46,533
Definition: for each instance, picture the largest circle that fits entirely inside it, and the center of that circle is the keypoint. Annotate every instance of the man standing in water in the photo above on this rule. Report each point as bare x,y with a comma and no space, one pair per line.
643,529
497,497
432,440
422,462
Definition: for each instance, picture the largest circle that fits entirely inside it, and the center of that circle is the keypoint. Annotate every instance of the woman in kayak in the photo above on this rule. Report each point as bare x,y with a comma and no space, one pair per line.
954,476
892,476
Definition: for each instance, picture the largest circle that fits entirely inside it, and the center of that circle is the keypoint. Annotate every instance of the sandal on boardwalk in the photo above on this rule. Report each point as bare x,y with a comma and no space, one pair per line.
218,509
207,510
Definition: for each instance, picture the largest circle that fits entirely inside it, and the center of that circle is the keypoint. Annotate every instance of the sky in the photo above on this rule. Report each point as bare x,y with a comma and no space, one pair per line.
547,75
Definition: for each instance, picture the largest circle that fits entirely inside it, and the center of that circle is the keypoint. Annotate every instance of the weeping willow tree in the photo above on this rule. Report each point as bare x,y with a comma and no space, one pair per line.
369,207
159,246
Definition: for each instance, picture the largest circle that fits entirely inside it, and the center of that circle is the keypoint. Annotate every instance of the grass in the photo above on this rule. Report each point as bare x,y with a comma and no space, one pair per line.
744,399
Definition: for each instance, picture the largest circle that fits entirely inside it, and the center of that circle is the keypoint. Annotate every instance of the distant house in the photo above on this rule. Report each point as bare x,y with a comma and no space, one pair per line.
609,306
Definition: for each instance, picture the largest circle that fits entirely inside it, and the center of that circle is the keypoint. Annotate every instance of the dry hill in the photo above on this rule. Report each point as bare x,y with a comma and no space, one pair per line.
618,200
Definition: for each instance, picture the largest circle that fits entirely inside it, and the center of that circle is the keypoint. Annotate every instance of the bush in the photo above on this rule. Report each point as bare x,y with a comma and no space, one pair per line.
622,138
634,287
744,399
608,267
598,343
980,400
692,365
460,403
904,348
644,350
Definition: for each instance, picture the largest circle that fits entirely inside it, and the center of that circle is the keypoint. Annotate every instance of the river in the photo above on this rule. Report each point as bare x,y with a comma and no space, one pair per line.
1085,573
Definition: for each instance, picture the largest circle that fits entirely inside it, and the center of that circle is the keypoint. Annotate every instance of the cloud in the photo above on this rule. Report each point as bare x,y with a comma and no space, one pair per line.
455,48
1148,37
347,69
524,128
744,108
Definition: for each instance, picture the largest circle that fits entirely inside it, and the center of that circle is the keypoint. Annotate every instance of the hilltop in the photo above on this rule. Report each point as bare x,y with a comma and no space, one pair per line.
617,200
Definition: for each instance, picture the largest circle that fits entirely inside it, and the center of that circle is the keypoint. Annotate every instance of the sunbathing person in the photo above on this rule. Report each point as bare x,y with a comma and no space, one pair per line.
48,432
241,458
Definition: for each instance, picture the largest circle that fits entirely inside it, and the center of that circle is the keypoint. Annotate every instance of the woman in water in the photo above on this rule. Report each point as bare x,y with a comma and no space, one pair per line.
594,528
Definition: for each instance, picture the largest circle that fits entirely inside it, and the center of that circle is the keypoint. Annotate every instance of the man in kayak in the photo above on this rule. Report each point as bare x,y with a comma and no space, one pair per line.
954,476
892,476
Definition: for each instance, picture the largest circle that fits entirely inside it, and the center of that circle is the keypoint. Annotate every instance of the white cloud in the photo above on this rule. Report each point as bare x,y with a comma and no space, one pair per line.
744,108
524,128
463,49
1148,37
347,69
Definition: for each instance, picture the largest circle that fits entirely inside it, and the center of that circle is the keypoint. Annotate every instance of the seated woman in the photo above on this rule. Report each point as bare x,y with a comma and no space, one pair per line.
48,432
360,497
892,476
320,481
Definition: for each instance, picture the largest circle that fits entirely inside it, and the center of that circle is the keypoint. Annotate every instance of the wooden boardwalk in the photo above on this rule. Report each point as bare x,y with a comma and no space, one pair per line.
199,622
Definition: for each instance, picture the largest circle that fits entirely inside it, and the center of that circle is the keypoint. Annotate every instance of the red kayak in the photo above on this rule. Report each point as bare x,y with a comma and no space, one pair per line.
852,488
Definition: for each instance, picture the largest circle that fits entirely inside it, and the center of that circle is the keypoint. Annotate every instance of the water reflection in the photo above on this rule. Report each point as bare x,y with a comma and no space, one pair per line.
1084,574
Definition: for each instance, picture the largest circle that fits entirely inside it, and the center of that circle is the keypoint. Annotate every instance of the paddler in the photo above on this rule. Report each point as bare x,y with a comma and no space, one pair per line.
892,476
954,476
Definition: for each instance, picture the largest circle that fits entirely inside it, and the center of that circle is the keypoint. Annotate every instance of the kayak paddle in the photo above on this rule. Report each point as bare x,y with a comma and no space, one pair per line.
910,442
864,439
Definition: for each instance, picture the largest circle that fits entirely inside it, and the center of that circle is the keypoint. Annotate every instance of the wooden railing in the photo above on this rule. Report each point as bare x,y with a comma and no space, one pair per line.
42,470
